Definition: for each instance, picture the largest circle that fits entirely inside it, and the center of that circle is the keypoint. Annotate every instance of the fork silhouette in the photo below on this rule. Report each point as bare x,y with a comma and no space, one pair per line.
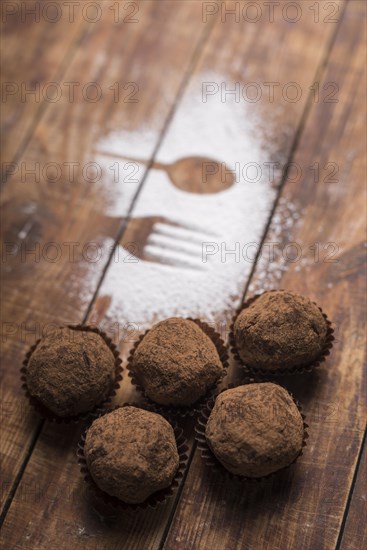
160,240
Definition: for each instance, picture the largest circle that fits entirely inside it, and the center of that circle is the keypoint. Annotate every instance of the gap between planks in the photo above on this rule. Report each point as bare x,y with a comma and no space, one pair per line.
318,76
185,81
359,465
298,134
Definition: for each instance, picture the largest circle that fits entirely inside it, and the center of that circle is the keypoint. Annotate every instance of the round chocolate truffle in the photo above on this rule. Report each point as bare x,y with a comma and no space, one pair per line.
70,371
280,330
176,363
131,453
255,430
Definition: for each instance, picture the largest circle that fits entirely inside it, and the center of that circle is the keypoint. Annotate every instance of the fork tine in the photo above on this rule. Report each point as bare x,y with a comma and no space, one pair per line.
183,232
173,258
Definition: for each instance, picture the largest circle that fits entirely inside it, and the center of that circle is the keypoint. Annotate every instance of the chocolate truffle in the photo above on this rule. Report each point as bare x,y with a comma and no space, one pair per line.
255,430
131,453
70,371
176,363
280,330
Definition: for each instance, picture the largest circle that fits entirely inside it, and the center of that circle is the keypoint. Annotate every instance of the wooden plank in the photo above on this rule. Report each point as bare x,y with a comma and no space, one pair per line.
51,35
304,507
234,52
354,535
75,214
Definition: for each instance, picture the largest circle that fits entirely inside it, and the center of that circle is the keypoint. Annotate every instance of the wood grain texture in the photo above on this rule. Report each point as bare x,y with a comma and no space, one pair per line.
51,37
355,531
49,276
52,464
304,507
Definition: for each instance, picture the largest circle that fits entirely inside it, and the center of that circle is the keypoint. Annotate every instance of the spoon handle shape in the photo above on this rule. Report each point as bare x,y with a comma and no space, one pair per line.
146,162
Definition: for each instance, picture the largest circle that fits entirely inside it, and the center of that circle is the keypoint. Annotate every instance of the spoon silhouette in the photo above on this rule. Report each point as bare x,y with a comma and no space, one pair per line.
201,175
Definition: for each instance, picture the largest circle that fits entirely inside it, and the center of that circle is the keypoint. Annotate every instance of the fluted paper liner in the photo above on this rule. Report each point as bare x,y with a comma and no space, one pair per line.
209,457
195,407
156,498
47,413
274,372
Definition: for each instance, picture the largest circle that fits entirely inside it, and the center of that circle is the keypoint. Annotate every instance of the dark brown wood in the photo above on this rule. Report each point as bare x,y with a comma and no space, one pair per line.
304,507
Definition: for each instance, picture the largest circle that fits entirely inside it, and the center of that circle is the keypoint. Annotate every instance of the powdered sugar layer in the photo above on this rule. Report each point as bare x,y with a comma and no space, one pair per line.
205,280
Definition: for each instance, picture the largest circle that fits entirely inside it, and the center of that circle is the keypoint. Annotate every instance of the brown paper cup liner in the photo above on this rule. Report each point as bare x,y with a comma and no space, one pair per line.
156,498
195,407
281,371
207,454
47,413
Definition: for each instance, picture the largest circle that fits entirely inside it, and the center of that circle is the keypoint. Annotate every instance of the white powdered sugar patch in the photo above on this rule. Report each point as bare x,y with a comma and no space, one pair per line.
227,225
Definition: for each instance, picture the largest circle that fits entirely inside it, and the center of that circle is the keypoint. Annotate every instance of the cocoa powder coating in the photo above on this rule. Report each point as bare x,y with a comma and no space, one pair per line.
176,363
131,453
255,430
280,329
70,371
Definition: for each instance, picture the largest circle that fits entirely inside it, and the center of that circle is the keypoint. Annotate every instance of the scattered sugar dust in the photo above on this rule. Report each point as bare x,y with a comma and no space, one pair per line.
272,263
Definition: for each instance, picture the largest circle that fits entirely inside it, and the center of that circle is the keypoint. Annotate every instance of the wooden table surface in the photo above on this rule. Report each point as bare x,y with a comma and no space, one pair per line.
118,81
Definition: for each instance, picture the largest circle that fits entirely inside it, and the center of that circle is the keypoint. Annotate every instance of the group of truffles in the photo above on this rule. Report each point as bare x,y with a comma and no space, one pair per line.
253,430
